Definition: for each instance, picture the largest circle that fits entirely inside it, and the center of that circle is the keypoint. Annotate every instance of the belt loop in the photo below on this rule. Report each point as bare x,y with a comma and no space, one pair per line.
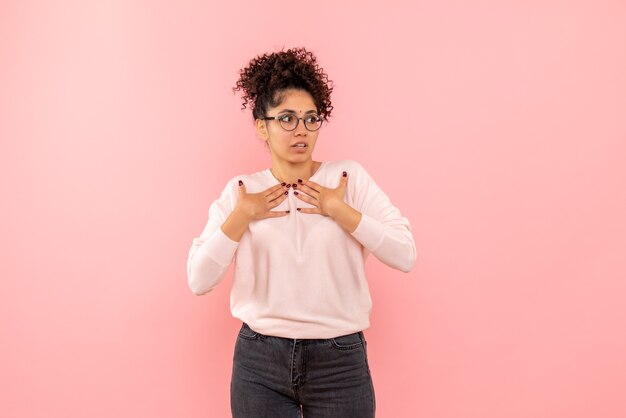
261,336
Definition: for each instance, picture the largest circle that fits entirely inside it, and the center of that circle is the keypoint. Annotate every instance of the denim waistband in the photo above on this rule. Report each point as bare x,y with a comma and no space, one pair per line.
310,340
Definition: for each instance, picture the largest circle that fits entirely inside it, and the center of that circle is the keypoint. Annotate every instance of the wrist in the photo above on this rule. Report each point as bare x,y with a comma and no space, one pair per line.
345,216
335,208
241,215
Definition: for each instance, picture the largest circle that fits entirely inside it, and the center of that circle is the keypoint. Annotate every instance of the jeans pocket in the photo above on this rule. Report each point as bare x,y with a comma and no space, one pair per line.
248,333
347,342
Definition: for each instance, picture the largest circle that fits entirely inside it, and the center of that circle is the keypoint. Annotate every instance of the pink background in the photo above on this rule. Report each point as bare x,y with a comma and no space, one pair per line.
497,127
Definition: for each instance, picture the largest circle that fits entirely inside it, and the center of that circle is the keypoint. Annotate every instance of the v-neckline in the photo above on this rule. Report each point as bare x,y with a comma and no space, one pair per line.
269,172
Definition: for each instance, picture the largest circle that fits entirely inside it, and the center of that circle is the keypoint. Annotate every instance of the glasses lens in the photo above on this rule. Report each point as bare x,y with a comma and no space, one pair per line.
313,122
288,122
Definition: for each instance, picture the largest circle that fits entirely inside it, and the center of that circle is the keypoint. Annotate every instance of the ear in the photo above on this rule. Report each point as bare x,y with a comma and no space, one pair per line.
261,129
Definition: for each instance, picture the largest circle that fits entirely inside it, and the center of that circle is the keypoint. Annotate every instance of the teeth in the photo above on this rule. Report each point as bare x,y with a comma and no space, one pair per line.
300,145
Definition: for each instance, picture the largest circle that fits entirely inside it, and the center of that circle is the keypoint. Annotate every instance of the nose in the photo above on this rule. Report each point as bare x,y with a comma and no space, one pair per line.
300,129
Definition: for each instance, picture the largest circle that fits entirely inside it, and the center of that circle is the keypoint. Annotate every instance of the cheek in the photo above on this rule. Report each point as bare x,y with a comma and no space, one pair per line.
279,139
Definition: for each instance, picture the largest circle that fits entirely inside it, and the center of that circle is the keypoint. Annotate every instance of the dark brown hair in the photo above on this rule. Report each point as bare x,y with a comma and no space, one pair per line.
266,77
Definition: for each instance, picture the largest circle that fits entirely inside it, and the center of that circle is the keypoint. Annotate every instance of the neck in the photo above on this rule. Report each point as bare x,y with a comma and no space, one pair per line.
291,172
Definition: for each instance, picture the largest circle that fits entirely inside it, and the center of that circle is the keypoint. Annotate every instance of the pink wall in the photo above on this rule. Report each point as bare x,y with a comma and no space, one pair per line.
497,127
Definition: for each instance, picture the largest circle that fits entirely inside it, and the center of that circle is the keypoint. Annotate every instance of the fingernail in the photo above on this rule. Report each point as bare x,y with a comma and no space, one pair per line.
283,183
299,180
295,185
295,192
289,185
298,209
286,193
345,174
240,182
287,211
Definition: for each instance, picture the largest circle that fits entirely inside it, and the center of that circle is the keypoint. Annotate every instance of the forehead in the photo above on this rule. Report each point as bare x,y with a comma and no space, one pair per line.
299,101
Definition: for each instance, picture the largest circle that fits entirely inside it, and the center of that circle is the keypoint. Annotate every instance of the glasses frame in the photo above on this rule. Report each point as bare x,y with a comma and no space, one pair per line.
279,117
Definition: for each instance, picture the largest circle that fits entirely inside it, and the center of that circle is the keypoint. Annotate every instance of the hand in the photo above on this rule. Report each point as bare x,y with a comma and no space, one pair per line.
324,199
257,206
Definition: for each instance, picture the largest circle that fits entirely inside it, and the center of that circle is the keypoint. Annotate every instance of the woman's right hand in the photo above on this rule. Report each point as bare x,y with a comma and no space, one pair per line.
256,206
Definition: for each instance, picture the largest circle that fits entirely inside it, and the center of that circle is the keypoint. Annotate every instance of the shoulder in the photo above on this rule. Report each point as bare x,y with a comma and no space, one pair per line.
358,176
248,176
253,181
352,167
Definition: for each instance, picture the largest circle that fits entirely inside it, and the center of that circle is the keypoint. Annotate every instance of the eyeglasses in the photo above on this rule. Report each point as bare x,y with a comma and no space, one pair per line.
289,122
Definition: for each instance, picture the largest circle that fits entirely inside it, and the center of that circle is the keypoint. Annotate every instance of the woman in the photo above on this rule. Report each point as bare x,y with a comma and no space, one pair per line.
300,233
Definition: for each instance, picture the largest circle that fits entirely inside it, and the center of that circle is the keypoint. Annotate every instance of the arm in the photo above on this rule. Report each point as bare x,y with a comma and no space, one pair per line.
212,252
381,228
346,216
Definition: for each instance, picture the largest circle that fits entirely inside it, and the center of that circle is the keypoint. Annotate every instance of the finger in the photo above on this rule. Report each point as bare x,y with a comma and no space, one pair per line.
307,199
310,190
278,193
343,181
242,188
311,185
276,214
310,210
272,189
305,194
307,191
277,201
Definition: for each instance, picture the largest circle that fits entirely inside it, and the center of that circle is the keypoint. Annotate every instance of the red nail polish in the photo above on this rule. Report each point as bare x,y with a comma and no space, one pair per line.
298,209
295,192
283,183
286,193
289,185
299,180
295,185
287,211
240,182
345,174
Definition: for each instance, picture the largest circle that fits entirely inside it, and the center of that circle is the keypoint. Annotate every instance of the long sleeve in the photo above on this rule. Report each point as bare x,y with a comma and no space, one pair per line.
302,275
382,230
212,252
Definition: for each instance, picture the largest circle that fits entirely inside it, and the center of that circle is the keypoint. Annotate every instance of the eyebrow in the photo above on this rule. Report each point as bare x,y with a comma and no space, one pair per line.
293,111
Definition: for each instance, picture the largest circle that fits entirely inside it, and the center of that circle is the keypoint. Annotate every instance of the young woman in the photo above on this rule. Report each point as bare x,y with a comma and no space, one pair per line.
299,233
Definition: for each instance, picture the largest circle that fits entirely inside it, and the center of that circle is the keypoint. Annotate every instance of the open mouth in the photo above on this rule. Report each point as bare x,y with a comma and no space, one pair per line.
299,146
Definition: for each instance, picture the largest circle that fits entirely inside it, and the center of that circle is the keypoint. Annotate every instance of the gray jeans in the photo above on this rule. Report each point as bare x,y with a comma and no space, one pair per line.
279,377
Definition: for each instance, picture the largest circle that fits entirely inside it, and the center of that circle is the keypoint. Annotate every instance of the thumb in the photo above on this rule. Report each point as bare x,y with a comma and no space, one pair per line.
242,188
344,180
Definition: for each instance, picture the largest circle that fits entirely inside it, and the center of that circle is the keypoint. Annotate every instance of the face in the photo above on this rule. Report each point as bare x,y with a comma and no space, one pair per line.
281,142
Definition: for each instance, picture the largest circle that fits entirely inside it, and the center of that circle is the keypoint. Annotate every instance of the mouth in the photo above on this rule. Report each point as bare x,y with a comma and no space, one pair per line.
299,145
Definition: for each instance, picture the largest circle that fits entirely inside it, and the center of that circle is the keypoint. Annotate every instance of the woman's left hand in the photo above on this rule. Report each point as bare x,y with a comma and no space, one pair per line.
324,199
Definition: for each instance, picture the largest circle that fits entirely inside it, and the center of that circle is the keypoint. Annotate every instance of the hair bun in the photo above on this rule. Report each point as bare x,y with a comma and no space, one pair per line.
268,74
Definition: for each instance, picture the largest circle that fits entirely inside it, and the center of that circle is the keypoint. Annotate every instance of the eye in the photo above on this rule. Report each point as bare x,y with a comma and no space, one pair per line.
313,119
286,118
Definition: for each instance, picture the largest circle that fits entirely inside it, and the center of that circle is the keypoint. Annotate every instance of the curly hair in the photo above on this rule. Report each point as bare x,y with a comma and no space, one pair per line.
266,77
